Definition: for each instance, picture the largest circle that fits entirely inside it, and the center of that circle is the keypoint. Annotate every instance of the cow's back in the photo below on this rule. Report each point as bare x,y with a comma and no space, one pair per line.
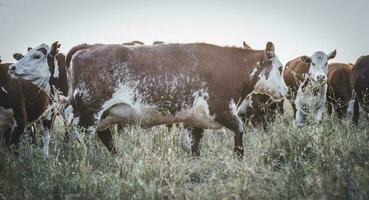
294,71
339,81
172,71
340,87
360,78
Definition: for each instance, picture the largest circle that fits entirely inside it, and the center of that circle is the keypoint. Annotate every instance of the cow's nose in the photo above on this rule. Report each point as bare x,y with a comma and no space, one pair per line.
321,77
12,68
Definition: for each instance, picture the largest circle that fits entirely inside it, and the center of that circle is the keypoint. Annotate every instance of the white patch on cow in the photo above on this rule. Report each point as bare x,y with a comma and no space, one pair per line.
234,111
246,103
185,139
34,67
46,141
56,69
68,114
122,106
274,86
254,71
309,99
4,90
49,115
123,95
350,107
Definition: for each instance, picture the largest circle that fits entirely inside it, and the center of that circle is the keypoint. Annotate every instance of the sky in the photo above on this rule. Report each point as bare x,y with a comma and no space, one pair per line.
295,27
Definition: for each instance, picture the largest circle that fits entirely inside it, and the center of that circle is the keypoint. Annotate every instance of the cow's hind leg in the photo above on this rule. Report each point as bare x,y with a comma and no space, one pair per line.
355,116
197,134
117,114
106,138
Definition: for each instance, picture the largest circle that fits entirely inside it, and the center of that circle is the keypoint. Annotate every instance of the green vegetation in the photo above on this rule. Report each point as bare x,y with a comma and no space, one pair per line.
317,161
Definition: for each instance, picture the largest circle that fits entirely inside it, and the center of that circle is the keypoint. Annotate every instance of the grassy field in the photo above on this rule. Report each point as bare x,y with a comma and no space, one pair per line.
318,161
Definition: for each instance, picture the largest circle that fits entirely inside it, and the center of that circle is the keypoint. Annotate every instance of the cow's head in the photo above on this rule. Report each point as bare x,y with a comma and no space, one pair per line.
269,78
318,65
36,65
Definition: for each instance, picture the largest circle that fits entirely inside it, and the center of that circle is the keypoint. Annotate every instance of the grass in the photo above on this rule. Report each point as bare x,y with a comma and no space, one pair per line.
317,161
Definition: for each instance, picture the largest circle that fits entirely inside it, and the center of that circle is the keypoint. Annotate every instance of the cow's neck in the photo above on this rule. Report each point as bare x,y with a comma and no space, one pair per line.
43,84
54,73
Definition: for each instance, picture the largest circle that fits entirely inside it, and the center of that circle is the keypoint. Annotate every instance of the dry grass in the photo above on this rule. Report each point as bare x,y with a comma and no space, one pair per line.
325,161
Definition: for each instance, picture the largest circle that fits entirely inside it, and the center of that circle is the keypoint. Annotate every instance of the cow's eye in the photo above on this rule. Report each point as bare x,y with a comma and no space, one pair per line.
36,57
313,64
280,69
326,63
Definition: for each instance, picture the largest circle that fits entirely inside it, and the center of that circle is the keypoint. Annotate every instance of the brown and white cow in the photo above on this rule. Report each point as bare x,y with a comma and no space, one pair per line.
26,100
42,61
196,84
340,89
259,109
307,79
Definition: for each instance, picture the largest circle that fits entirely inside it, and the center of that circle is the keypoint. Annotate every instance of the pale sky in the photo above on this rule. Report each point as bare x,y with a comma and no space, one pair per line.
295,27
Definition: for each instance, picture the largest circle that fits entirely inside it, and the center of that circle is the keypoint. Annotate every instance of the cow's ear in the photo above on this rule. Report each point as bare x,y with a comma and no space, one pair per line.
269,50
332,54
306,59
245,46
29,48
54,49
17,56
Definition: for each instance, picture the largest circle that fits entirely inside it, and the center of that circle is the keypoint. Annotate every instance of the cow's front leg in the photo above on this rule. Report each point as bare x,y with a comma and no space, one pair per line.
190,140
233,122
322,104
46,127
298,113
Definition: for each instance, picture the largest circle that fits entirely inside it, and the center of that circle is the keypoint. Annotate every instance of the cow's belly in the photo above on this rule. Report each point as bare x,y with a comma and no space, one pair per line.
125,108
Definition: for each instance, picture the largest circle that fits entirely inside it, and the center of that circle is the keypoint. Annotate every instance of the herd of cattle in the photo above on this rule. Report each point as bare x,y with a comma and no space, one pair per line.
200,85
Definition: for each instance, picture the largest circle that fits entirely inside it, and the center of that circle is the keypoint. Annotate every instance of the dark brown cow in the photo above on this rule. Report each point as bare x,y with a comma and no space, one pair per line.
195,84
360,80
7,121
26,100
340,88
158,42
307,79
133,43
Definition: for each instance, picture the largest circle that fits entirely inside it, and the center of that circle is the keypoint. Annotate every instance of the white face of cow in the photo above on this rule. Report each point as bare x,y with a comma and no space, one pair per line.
319,65
34,67
270,80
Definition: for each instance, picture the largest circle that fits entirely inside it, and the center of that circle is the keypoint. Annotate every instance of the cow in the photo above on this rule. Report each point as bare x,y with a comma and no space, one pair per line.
360,80
259,109
134,43
340,89
32,92
158,43
196,84
7,121
57,81
26,100
306,78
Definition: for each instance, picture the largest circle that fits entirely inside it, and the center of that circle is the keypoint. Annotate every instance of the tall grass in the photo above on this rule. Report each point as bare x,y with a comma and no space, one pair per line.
317,161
